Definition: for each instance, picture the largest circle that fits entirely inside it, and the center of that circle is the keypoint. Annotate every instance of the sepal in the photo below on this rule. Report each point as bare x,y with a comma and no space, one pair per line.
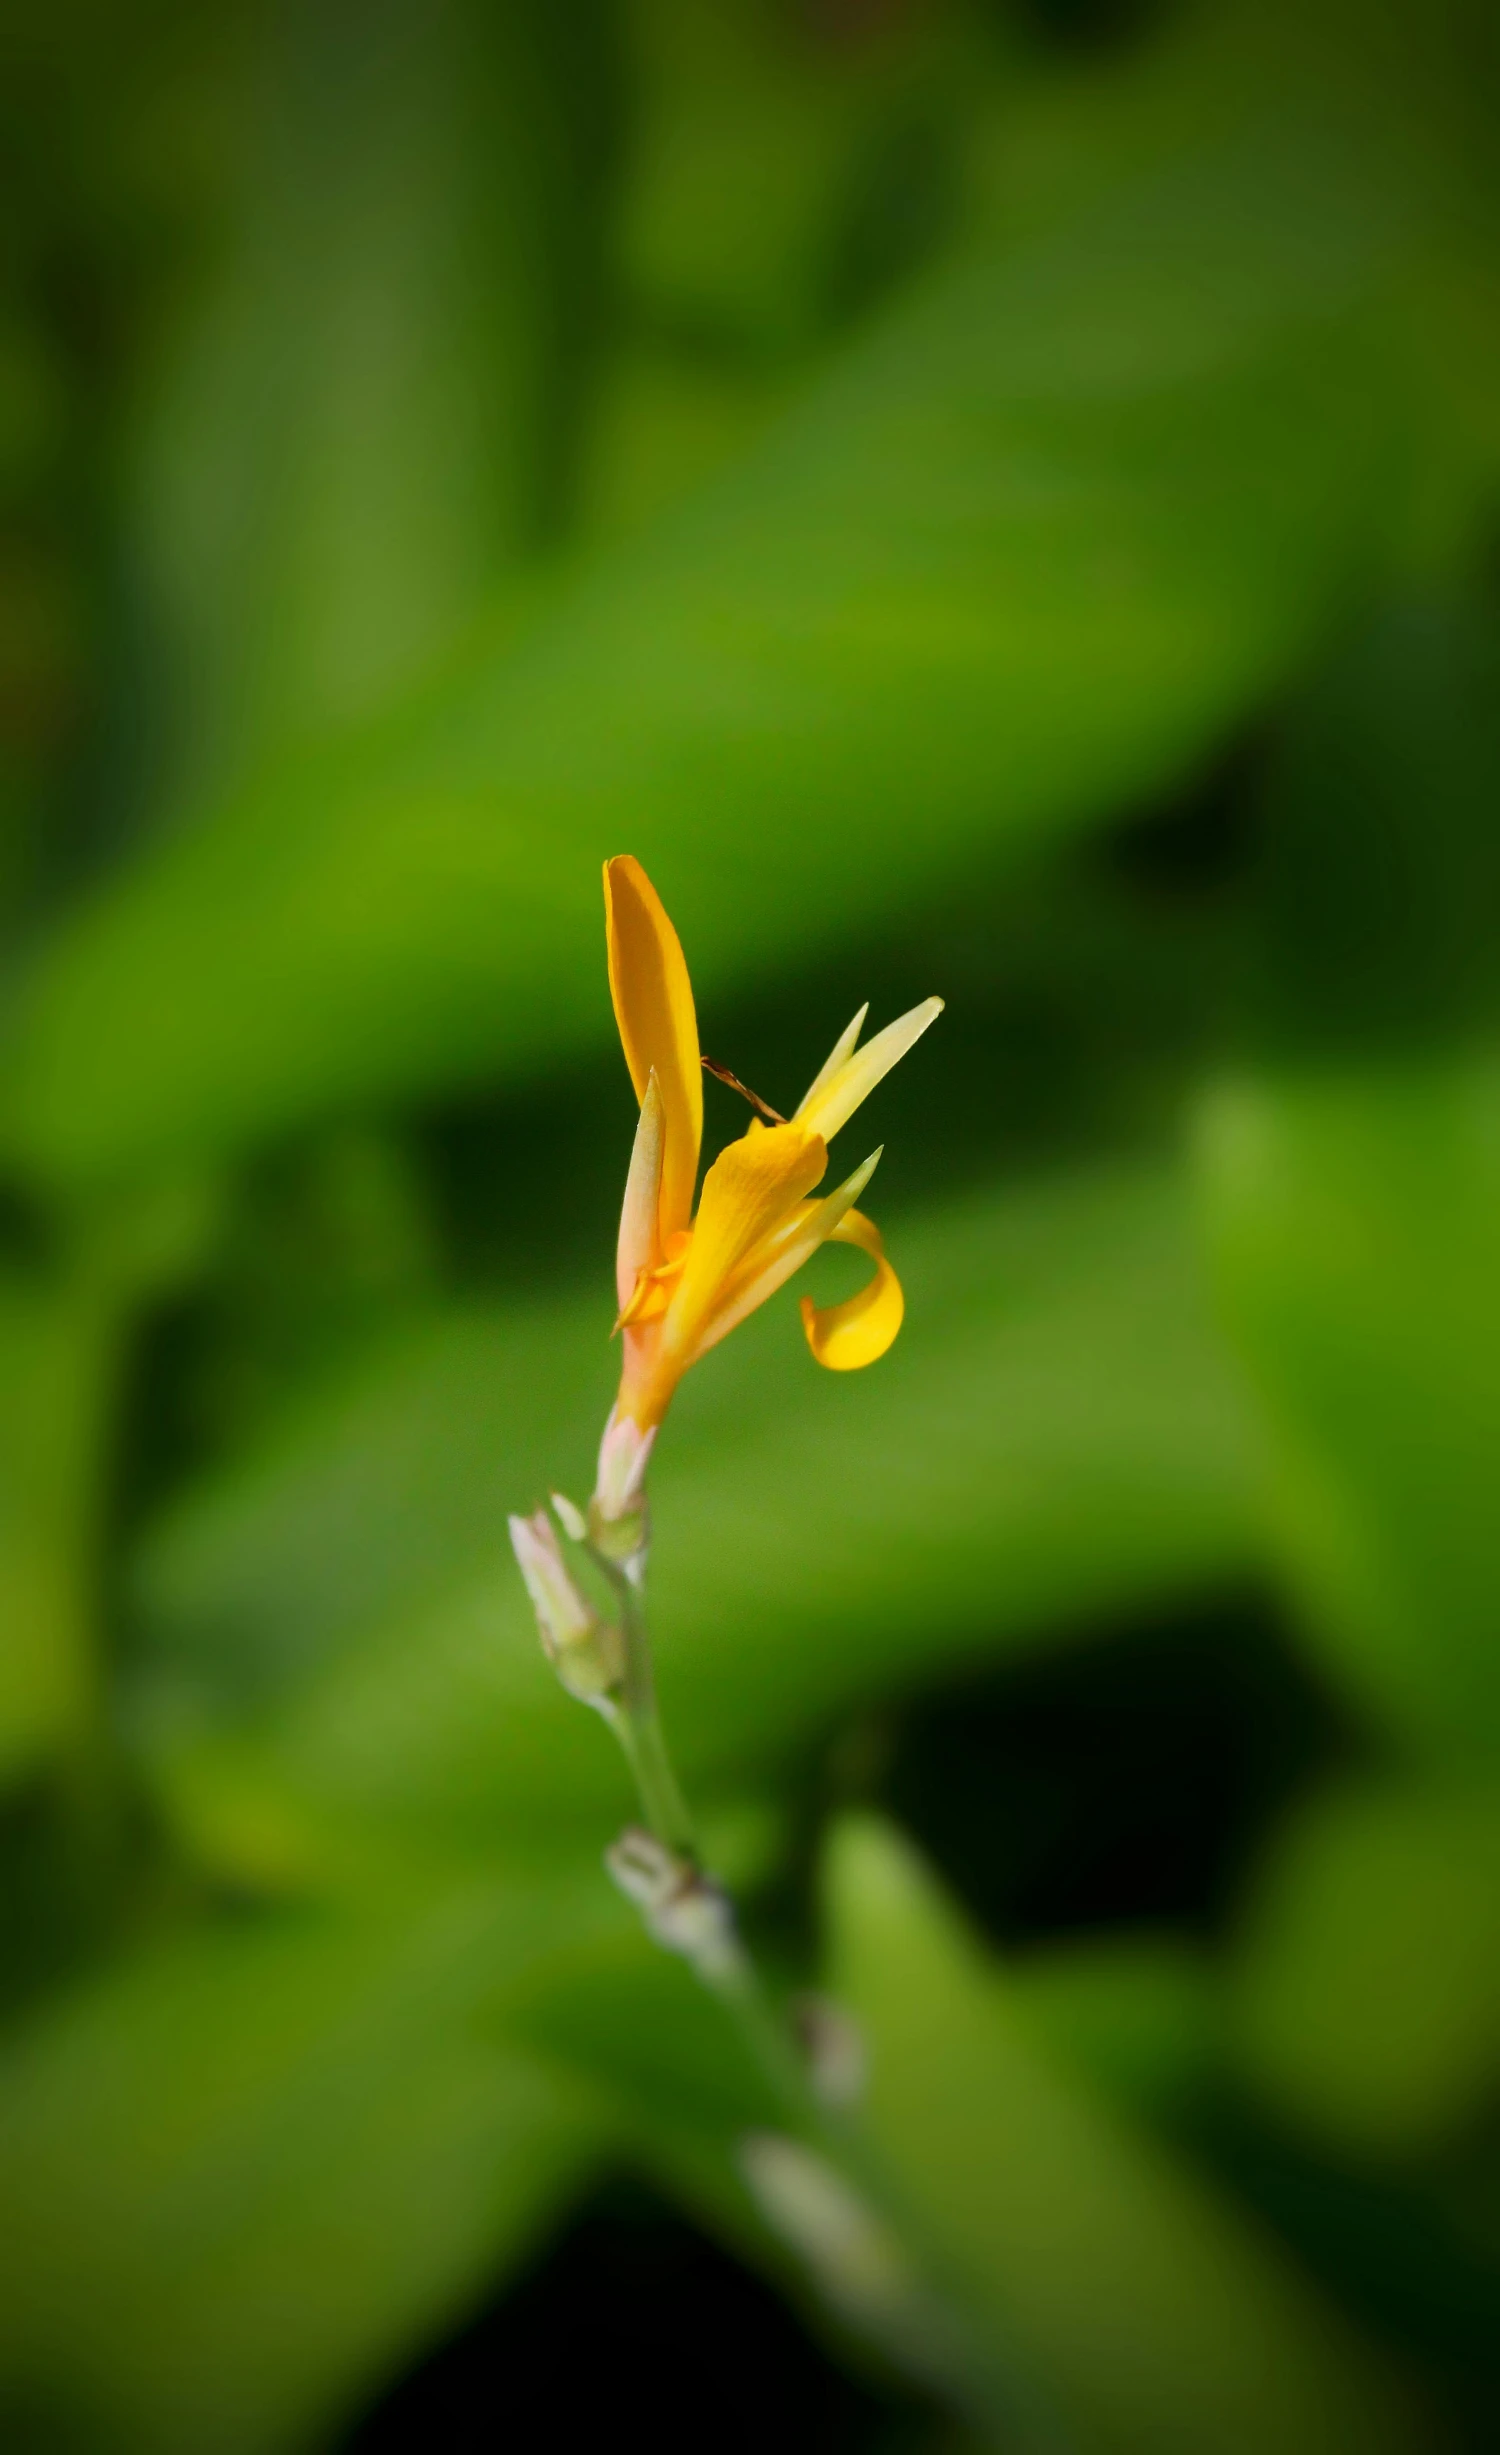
617,1524
586,1651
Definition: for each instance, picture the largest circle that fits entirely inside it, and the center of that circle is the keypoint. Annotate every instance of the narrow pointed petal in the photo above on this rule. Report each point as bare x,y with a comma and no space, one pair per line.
781,1255
653,1001
838,1056
825,1110
751,1190
646,1303
570,1517
845,1337
641,1241
562,1614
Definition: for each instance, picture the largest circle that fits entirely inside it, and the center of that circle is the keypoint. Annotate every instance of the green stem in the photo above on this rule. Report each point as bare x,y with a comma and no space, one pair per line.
938,2346
744,1997
935,2343
638,1725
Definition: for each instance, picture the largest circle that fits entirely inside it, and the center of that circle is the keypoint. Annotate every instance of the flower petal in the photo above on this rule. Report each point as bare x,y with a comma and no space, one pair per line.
838,1056
653,1001
654,1288
640,1241
857,1332
781,1254
832,1101
752,1189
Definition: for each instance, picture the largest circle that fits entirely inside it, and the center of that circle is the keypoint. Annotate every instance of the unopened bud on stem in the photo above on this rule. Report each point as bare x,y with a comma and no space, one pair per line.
617,1512
684,1909
852,2251
570,1517
587,1652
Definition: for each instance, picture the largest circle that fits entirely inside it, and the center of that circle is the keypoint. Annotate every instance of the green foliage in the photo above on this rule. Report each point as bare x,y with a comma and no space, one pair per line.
1136,2013
57,1352
1032,541
242,2176
1148,2317
1365,2002
1359,1215
1353,1184
981,502
361,424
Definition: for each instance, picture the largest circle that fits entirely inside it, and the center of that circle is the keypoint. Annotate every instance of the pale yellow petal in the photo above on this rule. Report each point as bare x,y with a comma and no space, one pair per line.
838,1056
832,1103
640,1241
780,1255
653,1000
753,1189
654,1289
857,1332
646,1302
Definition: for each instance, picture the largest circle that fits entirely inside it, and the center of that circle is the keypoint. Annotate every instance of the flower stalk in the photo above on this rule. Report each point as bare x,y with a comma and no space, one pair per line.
637,1720
818,2183
685,1278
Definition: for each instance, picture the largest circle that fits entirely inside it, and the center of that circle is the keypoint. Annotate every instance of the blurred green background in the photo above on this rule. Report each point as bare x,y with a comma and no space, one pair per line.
986,496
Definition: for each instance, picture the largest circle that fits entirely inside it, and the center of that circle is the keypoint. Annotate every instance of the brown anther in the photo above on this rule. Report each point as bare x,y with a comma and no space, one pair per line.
762,1108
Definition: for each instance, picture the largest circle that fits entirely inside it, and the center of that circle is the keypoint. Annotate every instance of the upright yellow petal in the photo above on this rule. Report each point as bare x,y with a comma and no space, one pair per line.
752,1188
835,1095
837,1057
639,1246
857,1332
653,1001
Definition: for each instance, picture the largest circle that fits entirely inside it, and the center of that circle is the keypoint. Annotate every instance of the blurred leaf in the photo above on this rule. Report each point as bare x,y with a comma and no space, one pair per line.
1147,2311
328,1248
667,421
340,1658
239,2179
365,421
761,135
1352,1180
1381,883
1135,2014
1355,1219
1366,1992
648,2035
674,2065
59,1352
1065,513
64,1329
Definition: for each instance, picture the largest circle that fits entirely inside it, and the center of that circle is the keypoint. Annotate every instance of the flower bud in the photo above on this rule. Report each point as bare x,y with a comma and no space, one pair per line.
862,2266
684,1910
617,1512
586,1652
850,2249
570,1517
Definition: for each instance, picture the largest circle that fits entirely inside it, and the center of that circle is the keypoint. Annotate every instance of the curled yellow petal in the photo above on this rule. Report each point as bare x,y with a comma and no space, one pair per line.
857,1332
780,1254
653,1001
752,1188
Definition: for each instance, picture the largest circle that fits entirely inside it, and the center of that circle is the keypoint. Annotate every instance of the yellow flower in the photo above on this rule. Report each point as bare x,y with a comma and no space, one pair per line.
684,1282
